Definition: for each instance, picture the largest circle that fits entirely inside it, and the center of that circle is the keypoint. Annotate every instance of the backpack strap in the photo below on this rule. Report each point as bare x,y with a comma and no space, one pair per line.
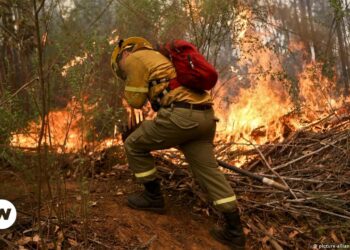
158,81
173,46
173,84
165,91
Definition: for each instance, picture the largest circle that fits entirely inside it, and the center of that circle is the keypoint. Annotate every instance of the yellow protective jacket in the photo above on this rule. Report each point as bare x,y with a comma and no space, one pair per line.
145,65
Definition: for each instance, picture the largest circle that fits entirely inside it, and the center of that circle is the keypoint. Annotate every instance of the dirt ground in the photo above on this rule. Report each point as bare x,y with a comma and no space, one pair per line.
109,223
125,228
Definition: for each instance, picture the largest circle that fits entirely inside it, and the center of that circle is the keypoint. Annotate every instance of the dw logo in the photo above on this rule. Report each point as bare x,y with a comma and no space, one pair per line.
8,214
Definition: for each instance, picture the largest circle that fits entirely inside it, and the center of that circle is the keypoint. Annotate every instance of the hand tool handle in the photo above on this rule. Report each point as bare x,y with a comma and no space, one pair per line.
264,180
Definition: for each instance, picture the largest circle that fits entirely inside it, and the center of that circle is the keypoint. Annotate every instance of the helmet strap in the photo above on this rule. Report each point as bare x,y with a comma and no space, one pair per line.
120,43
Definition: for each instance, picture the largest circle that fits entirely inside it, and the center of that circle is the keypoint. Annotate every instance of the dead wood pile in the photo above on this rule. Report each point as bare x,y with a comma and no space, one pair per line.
316,168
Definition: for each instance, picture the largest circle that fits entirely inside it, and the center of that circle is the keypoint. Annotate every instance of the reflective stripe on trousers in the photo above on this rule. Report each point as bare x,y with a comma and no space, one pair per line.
225,200
145,174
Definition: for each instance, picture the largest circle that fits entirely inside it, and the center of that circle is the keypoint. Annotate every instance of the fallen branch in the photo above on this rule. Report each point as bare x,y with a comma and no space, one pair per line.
147,244
264,180
99,243
309,154
273,171
323,211
19,90
273,242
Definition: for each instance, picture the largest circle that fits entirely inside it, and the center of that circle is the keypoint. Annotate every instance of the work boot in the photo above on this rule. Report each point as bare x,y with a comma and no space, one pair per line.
150,199
232,233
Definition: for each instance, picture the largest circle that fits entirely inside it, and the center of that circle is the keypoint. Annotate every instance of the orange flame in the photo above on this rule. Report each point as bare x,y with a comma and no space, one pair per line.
63,131
256,107
253,112
75,61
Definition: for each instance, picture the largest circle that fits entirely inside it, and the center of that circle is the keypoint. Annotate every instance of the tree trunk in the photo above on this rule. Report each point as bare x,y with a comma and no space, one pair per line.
296,17
343,57
305,34
312,30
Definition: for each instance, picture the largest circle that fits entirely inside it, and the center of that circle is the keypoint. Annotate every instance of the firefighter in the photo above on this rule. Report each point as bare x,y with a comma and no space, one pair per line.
185,119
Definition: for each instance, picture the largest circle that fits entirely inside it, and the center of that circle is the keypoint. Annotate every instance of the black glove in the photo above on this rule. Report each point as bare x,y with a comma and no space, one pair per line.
155,106
126,133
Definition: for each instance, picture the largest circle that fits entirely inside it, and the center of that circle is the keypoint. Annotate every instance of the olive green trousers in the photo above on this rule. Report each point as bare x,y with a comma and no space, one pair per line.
193,132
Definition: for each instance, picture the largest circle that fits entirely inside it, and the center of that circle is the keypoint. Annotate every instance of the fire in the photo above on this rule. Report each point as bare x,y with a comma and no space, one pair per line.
258,97
67,129
64,131
75,61
241,23
256,106
316,90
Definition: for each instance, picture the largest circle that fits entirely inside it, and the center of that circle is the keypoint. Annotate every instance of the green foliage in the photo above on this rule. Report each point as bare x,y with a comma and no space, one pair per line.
338,9
328,68
6,122
206,23
103,122
153,19
11,119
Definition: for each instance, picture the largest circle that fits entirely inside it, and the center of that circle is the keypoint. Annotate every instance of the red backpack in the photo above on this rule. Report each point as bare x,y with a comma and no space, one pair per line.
192,69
